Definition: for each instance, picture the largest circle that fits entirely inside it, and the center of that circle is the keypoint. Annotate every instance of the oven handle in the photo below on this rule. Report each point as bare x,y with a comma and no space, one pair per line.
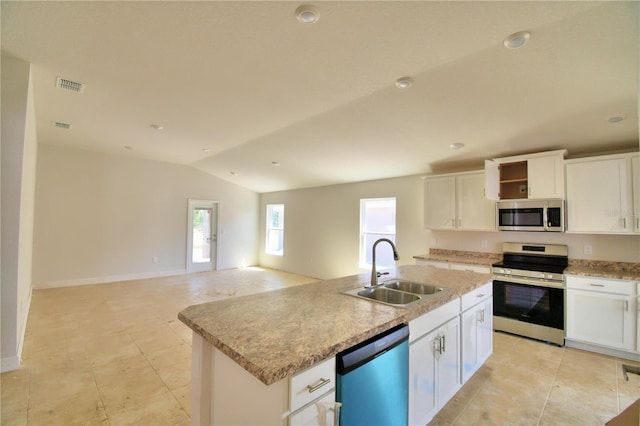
532,282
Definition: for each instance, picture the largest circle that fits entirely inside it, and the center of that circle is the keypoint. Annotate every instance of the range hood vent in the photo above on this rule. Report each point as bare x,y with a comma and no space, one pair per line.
70,85
61,125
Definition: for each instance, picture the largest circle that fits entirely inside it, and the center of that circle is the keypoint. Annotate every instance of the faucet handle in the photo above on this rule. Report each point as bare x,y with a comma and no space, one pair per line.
379,274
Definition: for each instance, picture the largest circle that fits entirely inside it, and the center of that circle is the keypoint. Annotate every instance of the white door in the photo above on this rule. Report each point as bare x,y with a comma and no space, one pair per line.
203,231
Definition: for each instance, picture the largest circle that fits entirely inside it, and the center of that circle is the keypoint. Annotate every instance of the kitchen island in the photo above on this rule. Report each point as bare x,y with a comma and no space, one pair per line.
246,349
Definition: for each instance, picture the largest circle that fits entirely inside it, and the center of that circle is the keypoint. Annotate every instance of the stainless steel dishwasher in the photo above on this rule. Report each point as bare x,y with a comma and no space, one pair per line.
372,380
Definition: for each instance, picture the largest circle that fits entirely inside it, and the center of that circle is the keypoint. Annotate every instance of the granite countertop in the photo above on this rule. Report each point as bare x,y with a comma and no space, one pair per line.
603,269
274,335
460,256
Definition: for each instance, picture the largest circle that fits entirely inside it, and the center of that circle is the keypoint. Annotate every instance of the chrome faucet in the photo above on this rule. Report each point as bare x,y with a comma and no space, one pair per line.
374,274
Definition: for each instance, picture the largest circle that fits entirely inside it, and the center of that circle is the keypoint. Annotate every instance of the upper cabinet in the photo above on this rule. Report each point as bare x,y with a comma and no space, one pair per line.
531,176
603,194
457,201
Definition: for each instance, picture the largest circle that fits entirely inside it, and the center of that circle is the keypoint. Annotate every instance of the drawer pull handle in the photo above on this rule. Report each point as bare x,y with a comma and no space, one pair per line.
596,285
480,295
320,383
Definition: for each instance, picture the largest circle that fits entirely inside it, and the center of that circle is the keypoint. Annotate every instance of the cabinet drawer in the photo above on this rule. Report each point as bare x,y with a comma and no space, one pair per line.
431,320
312,383
320,413
624,287
476,296
473,268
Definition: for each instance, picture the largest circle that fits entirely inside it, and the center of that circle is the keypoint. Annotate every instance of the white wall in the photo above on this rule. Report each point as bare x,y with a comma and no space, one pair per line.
19,152
102,217
322,226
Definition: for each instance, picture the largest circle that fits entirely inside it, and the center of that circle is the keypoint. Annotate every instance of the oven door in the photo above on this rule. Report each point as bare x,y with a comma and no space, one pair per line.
529,303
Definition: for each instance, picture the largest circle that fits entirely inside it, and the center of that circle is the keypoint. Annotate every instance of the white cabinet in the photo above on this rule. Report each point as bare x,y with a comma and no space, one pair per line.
477,329
223,392
602,312
434,361
532,176
321,412
602,195
457,202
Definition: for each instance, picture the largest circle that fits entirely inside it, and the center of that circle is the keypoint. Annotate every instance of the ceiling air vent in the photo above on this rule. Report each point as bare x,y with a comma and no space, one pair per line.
72,86
61,125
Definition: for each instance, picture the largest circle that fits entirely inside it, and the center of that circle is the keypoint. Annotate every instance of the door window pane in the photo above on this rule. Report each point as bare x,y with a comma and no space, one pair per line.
201,249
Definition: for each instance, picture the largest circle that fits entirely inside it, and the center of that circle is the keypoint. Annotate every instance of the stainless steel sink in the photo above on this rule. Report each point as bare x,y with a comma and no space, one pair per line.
392,297
411,287
397,293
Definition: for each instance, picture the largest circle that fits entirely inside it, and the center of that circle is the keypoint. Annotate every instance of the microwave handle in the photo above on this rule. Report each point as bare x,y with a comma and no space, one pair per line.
545,218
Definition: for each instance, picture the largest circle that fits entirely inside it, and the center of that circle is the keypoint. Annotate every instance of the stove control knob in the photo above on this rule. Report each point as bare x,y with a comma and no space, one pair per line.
549,276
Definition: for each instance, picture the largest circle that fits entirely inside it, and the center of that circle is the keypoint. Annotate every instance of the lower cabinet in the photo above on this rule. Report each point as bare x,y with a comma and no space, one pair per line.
434,361
477,329
321,412
602,312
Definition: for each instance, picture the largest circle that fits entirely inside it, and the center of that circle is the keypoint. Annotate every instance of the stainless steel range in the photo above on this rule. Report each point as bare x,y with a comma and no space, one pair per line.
528,291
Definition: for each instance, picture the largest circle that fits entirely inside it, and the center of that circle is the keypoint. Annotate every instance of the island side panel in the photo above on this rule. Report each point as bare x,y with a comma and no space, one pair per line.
224,393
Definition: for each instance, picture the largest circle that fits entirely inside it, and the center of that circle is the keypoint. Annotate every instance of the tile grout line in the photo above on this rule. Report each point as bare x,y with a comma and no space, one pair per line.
95,381
555,378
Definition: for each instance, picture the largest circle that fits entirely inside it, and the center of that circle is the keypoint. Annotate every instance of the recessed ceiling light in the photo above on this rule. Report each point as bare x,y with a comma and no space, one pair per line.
275,164
404,82
456,146
516,40
157,126
616,118
205,150
307,14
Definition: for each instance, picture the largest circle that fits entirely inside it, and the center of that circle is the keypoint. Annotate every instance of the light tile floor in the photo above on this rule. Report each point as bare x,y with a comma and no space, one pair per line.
115,354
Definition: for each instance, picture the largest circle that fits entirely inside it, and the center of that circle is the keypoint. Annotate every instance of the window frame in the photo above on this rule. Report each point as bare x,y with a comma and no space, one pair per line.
362,256
270,208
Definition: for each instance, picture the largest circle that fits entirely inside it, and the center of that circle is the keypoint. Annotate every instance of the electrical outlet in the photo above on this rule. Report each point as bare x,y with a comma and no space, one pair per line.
434,241
588,249
485,244
155,259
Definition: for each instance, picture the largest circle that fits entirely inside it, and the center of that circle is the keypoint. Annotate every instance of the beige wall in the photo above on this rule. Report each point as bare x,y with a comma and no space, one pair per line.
322,226
19,152
102,217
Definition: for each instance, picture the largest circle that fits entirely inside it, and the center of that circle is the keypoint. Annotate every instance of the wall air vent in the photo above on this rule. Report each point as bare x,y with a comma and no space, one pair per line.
70,85
61,125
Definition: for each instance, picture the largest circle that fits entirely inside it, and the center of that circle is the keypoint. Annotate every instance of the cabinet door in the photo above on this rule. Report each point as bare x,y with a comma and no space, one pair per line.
597,198
477,337
423,404
474,211
491,180
545,177
601,318
448,364
635,185
439,203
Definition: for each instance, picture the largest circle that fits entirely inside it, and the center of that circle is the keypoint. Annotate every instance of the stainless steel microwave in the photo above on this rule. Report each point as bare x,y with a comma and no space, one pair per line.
530,215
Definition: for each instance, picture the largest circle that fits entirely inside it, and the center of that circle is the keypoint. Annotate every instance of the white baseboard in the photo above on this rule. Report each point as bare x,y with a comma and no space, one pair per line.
633,356
107,279
9,364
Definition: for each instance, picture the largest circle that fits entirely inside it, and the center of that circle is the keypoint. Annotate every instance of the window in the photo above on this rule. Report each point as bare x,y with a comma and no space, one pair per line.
275,229
377,220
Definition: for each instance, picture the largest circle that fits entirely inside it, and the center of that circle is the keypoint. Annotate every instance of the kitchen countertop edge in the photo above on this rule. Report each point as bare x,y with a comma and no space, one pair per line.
254,354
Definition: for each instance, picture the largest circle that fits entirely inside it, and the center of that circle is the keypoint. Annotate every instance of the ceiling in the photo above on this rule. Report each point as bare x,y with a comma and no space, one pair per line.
239,85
